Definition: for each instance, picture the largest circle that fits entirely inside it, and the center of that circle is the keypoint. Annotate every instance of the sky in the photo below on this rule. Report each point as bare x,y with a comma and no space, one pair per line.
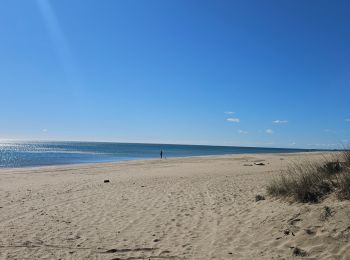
238,73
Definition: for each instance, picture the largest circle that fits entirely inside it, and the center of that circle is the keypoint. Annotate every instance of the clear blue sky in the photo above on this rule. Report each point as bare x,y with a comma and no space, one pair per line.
170,71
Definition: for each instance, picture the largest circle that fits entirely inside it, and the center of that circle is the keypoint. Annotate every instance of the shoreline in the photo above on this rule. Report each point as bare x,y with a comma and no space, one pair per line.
127,161
37,154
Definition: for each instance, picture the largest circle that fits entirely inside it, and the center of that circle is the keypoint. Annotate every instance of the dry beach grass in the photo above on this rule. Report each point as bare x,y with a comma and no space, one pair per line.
181,208
310,181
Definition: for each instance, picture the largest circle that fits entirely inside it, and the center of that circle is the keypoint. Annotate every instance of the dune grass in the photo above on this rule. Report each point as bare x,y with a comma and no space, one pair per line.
311,181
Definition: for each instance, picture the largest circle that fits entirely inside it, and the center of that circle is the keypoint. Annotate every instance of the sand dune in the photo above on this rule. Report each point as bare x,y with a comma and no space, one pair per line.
188,208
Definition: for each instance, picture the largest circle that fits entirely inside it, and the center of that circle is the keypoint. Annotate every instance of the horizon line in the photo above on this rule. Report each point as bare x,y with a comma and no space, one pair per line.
158,143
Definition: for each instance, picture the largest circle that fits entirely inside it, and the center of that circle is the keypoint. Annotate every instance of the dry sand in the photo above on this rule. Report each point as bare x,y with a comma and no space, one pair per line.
188,208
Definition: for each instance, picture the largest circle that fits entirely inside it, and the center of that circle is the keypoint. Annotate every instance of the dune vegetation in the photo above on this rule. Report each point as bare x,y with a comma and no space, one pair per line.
312,181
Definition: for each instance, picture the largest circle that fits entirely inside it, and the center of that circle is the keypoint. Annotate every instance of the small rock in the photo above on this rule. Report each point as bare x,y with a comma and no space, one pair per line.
106,181
259,197
309,231
156,240
299,252
261,164
111,251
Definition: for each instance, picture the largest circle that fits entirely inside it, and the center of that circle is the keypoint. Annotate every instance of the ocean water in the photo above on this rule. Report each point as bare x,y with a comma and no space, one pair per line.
25,154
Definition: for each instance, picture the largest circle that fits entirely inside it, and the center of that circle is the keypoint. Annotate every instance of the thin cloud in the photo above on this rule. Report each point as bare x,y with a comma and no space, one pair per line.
280,121
269,131
329,131
233,120
347,119
323,145
44,130
242,132
229,113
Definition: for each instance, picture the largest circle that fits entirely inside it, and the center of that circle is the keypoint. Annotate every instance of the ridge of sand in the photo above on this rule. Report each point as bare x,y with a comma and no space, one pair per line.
182,208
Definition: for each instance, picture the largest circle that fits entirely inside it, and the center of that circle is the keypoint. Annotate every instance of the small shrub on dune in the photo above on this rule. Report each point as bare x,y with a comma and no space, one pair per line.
332,167
310,181
342,180
326,213
305,182
279,187
346,157
343,183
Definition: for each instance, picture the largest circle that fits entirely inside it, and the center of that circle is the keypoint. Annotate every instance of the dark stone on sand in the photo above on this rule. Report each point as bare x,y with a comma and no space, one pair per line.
309,231
298,252
111,251
106,181
261,164
156,240
259,197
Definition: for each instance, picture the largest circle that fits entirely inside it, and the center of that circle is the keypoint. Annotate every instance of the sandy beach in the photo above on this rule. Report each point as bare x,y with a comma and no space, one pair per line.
181,208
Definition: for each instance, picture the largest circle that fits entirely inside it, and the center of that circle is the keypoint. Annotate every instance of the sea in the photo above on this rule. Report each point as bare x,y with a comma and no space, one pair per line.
29,154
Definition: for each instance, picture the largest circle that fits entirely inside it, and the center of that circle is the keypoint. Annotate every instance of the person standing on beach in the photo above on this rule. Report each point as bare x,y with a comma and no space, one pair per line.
161,154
